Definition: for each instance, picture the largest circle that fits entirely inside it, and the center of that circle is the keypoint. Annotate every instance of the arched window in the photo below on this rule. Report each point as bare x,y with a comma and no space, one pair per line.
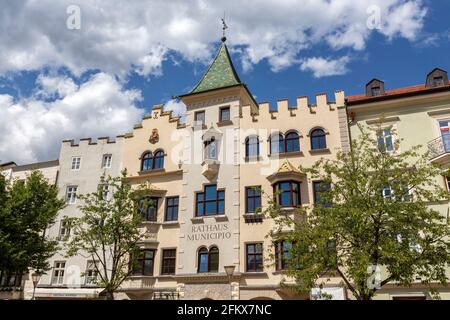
252,147
158,160
318,139
276,143
152,161
147,161
208,260
291,141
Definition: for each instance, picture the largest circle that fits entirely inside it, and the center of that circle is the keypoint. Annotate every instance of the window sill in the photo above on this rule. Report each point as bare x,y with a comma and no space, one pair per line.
253,218
170,223
139,276
201,127
320,151
286,154
146,172
255,273
197,220
224,123
221,217
150,223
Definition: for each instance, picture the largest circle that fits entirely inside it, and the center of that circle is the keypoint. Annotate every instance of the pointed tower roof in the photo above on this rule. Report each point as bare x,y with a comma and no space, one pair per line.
220,74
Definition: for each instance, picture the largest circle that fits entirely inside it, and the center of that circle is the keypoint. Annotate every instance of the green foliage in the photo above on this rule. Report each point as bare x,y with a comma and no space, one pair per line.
402,234
109,230
27,209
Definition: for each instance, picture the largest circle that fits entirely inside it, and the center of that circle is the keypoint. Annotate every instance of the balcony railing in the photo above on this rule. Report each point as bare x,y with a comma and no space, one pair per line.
439,146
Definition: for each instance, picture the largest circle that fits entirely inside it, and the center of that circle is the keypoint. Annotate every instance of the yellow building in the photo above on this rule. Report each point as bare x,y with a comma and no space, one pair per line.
417,115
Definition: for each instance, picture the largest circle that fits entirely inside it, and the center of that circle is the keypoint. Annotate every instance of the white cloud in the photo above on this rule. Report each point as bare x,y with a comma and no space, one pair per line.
122,36
323,67
178,108
32,129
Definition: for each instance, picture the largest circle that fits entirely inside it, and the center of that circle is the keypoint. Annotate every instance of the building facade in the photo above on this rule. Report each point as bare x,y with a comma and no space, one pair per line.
407,117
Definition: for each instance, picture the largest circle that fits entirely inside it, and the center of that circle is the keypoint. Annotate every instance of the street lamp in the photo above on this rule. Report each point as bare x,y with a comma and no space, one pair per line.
229,270
35,277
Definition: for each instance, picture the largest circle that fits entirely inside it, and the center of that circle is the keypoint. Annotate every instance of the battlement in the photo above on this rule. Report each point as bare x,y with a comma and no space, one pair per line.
302,106
91,141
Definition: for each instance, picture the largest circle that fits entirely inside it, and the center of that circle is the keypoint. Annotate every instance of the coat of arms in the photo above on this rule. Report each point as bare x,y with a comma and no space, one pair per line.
154,138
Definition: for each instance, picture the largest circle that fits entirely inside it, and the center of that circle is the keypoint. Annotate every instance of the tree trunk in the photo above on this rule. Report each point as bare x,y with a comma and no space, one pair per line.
109,295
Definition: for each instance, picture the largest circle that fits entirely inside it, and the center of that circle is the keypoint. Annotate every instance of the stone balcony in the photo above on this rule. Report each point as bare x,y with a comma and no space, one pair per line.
139,283
439,149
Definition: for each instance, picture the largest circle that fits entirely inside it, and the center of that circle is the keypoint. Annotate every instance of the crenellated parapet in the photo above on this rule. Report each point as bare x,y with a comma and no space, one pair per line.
92,141
303,106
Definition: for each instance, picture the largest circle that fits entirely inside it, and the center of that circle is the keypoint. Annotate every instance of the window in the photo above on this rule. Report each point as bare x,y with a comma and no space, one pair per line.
171,209
71,194
152,162
107,161
252,199
282,254
385,140
76,163
168,261
91,274
58,272
224,114
254,252
252,147
318,140
64,229
148,207
287,193
143,265
447,181
276,144
444,127
292,143
318,188
208,260
387,192
376,91
438,81
199,118
210,202
104,189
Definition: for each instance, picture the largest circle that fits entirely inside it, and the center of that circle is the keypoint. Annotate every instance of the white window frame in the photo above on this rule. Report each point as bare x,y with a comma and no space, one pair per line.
63,227
106,164
71,200
105,188
74,164
58,272
394,134
90,279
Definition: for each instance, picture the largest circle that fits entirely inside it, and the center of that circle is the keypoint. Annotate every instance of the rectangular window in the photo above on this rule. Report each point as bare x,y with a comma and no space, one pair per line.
107,161
104,190
64,230
149,208
168,261
71,194
210,202
376,91
171,209
58,273
385,140
143,265
224,114
252,199
282,254
318,188
76,163
387,192
254,252
438,81
447,181
288,193
91,274
199,118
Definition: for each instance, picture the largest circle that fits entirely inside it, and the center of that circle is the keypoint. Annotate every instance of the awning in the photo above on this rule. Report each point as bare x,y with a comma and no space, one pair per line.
68,293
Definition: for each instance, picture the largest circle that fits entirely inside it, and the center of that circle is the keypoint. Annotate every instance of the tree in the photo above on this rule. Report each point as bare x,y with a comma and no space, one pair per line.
108,232
28,209
377,215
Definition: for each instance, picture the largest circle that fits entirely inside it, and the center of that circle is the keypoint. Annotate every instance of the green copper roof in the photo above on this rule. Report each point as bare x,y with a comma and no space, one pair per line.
220,74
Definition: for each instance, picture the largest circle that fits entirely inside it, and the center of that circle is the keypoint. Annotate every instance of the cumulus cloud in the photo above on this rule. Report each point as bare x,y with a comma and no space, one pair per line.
122,36
178,108
31,129
323,67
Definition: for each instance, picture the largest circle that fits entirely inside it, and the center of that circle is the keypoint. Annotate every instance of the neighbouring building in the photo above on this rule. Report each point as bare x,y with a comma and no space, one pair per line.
411,116
13,285
80,167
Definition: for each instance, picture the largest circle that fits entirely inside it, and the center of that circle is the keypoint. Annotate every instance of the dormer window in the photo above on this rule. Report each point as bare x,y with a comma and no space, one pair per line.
376,91
438,81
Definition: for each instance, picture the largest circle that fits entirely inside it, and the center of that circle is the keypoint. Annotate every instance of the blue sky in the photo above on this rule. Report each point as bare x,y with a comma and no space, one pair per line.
58,83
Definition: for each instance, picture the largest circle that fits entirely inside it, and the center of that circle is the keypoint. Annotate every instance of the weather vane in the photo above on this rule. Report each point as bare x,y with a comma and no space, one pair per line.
224,27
